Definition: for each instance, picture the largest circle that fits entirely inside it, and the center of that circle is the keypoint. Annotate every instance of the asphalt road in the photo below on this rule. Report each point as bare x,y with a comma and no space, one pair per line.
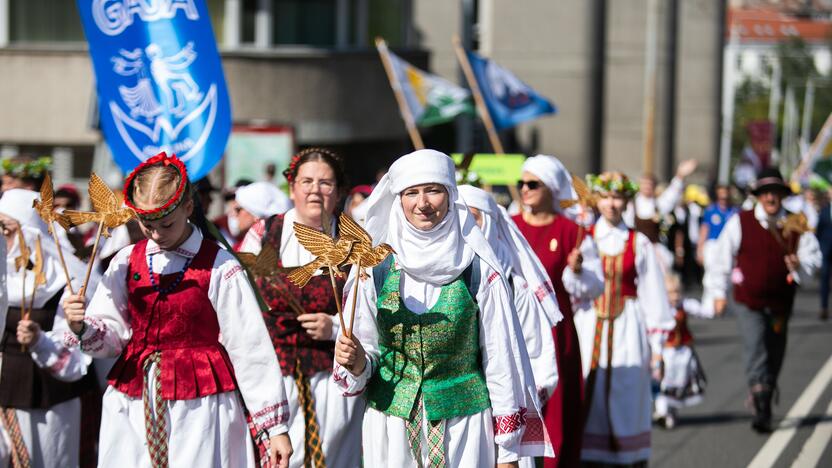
717,432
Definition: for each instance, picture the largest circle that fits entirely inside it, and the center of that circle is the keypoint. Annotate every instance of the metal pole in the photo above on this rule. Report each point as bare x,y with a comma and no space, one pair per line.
597,93
670,99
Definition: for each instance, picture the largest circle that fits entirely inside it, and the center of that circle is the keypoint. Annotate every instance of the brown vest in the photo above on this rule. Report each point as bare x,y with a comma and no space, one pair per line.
760,259
23,384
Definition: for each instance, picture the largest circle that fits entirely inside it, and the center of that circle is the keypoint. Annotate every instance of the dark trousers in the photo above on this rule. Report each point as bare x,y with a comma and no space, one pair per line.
825,273
763,347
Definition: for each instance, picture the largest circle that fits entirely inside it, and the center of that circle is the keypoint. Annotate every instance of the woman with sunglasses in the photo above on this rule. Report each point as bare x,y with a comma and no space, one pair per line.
543,184
324,426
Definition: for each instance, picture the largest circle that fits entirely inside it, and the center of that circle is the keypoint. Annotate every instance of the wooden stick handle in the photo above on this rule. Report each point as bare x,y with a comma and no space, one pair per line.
355,295
404,109
61,257
83,289
337,300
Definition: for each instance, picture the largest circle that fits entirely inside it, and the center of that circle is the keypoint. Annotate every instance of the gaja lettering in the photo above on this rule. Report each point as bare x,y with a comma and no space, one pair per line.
114,16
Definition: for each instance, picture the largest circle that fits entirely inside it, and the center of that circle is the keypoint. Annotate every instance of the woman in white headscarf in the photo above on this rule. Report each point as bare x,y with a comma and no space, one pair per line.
575,271
435,346
534,296
42,381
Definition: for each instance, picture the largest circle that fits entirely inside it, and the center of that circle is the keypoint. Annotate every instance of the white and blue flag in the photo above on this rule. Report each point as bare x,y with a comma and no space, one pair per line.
159,79
509,100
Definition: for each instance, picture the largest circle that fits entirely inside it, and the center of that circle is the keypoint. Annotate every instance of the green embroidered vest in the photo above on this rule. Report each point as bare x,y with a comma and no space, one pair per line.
437,353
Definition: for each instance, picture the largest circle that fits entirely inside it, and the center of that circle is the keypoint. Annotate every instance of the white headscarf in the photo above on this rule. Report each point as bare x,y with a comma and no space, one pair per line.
17,204
513,251
437,256
262,199
553,174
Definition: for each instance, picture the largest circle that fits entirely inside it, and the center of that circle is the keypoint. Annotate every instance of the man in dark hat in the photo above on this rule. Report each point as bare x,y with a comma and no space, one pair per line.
764,252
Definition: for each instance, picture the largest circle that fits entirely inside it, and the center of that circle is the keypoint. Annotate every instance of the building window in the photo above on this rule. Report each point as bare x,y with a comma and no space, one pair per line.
44,21
306,22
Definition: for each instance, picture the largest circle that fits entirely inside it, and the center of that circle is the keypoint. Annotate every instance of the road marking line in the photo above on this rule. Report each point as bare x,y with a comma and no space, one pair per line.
777,442
813,448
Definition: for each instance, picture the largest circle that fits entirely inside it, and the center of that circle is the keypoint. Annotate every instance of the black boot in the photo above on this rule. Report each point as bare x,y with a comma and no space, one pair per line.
761,395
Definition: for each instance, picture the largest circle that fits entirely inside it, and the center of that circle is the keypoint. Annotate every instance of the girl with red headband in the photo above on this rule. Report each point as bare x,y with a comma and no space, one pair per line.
186,326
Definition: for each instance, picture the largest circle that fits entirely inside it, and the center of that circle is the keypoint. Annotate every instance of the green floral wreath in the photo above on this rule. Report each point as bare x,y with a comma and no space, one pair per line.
612,182
36,168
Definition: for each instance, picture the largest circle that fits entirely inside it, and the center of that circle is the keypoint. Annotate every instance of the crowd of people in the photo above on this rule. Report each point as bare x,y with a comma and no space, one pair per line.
552,332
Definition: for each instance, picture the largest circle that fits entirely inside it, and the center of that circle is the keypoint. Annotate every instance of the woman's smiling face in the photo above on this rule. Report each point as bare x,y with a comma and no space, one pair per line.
425,205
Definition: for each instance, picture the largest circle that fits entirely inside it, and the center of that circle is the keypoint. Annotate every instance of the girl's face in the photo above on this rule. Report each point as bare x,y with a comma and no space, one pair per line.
314,191
425,205
611,206
172,230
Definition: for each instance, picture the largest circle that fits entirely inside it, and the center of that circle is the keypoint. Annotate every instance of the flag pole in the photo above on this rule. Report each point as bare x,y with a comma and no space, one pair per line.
404,109
482,109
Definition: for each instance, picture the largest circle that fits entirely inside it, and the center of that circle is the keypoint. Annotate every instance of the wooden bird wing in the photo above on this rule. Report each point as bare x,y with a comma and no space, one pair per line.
22,260
267,261
103,199
583,191
77,218
796,224
40,276
248,259
117,218
61,219
313,240
47,196
348,227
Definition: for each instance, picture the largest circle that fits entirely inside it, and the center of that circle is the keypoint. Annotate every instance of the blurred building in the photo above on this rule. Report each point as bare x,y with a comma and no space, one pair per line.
589,56
310,64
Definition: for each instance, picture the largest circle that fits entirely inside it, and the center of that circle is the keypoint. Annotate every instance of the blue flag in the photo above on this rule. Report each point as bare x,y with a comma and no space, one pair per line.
159,80
509,100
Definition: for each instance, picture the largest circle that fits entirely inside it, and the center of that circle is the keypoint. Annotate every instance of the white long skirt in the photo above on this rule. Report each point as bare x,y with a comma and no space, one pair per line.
630,395
51,436
339,418
469,441
207,431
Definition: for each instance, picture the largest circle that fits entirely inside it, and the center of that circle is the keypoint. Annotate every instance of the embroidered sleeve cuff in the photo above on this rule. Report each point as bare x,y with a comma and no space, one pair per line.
508,428
272,419
92,340
349,384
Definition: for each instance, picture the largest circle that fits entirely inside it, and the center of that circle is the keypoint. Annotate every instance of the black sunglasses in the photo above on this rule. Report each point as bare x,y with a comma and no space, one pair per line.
531,184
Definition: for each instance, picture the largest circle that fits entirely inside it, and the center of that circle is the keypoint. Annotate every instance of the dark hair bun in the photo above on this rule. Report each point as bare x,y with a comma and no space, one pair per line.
318,154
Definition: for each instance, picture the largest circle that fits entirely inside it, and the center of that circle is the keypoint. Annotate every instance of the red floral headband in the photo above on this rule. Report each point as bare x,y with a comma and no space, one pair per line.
168,207
289,172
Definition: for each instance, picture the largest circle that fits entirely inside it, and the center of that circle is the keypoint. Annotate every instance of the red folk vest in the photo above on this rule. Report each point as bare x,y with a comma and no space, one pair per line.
182,325
619,279
760,259
290,340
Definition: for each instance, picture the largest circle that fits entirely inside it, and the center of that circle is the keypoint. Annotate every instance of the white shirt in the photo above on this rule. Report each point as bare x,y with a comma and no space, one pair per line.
242,331
718,271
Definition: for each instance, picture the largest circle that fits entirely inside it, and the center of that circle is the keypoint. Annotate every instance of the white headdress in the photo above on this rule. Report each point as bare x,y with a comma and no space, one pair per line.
437,256
262,199
553,174
512,249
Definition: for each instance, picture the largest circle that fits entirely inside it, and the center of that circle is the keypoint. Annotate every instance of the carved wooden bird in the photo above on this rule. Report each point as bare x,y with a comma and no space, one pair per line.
22,260
330,253
107,205
45,206
363,253
263,264
585,196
